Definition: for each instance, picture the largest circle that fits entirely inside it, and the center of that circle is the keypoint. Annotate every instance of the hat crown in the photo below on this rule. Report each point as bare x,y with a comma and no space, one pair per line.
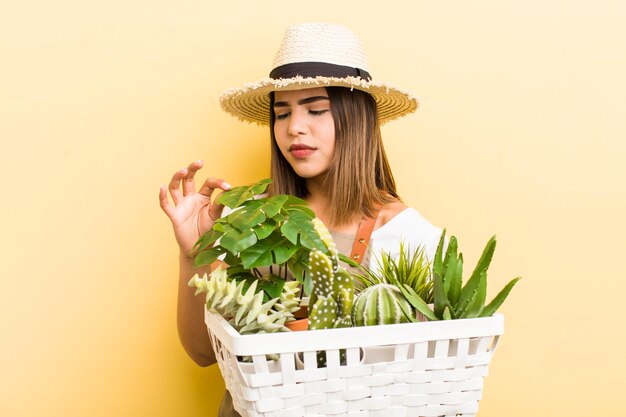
321,42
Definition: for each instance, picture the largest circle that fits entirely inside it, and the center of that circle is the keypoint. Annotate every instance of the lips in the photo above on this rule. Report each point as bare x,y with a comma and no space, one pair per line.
300,151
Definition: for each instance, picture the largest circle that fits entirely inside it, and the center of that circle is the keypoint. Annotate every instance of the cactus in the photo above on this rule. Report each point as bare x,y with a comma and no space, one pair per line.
381,304
245,309
383,299
332,293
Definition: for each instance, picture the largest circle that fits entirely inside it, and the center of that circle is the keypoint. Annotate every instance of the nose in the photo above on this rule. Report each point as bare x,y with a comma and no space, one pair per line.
297,124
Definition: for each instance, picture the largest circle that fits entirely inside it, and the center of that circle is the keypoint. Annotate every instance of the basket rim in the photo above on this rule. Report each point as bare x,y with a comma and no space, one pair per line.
349,337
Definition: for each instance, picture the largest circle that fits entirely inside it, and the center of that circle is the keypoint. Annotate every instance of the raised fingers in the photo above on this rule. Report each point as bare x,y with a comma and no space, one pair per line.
189,185
211,184
164,202
174,186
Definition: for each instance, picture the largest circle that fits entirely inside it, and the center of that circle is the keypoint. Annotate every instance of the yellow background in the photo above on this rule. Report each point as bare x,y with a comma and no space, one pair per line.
521,134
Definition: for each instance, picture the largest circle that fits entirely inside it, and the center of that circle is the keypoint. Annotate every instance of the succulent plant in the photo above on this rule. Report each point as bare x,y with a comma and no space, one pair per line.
243,307
381,304
332,292
452,300
382,300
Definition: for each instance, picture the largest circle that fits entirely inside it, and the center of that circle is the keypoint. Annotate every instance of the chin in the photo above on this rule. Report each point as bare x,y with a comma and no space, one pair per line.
307,174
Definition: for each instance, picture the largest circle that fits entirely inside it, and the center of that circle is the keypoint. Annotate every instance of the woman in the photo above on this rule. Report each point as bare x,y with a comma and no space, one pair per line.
324,113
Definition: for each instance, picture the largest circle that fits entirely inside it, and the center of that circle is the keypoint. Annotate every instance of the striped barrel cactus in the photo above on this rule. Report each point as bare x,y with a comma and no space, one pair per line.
381,304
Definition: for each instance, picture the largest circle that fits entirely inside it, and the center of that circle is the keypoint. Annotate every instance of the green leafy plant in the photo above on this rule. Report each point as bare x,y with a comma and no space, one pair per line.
452,299
262,239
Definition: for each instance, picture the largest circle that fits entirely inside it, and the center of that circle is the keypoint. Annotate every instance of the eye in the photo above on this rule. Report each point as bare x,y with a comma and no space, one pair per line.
281,116
318,112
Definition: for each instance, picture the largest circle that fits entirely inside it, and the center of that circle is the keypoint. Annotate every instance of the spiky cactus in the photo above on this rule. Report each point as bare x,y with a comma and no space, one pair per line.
332,294
245,310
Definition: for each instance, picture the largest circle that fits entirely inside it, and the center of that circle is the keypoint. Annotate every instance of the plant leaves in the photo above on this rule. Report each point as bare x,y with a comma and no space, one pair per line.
468,291
275,249
231,259
236,241
233,271
299,205
207,240
298,229
456,282
493,306
234,197
469,294
438,261
407,314
307,286
247,216
449,261
208,256
475,307
416,301
265,229
272,285
272,206
298,264
450,266
440,297
239,274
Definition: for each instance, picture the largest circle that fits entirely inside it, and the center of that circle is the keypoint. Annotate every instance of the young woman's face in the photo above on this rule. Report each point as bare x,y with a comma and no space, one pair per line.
304,130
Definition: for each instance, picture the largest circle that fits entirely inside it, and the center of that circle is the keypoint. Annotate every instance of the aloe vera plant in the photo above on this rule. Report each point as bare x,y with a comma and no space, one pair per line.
452,299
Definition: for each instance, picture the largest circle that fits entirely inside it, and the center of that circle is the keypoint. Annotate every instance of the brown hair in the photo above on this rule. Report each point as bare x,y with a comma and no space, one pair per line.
359,178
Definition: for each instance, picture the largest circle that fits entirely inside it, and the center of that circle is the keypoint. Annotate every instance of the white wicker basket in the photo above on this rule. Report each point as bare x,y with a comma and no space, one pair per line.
416,369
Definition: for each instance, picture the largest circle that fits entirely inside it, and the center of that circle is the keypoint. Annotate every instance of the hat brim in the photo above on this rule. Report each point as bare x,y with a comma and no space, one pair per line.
251,103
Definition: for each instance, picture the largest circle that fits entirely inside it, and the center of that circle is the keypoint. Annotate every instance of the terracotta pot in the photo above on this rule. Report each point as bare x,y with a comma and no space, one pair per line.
304,309
298,325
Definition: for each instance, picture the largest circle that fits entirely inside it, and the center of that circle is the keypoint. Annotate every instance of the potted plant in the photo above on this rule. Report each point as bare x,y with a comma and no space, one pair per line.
381,299
459,350
452,299
332,293
265,243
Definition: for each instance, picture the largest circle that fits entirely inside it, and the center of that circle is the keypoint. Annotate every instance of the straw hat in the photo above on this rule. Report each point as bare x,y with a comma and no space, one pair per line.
316,55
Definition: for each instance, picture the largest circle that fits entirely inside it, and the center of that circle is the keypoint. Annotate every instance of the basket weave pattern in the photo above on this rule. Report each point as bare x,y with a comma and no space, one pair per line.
422,369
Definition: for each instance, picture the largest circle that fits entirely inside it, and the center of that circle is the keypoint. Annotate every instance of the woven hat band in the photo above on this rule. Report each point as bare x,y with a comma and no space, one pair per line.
317,69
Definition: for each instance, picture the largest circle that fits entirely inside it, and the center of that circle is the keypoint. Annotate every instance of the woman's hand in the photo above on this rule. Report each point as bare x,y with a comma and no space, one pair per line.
192,213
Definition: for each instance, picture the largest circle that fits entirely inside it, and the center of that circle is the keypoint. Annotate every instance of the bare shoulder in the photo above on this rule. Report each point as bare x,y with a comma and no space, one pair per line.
388,212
